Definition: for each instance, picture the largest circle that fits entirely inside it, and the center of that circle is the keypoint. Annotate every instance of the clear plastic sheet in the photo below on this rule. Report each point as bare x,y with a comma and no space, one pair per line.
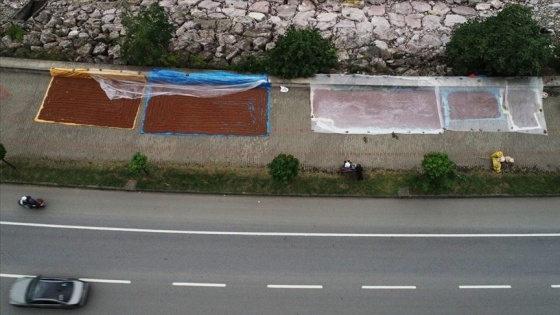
169,82
360,104
120,84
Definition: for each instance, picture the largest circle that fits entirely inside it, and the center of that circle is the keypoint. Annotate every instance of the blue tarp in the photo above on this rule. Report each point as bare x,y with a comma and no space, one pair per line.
205,78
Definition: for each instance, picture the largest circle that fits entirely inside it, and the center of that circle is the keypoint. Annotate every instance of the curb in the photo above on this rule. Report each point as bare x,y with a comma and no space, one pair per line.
36,65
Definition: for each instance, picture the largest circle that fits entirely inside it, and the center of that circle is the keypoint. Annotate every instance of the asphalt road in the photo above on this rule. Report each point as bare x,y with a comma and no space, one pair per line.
208,254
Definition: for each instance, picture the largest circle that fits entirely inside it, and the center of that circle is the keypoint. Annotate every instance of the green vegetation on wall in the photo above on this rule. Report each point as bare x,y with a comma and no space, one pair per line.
509,44
16,32
554,62
147,36
301,53
251,64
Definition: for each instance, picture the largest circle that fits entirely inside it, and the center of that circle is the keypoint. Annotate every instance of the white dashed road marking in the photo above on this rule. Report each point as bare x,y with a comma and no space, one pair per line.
106,281
389,287
290,286
485,287
11,275
196,284
281,286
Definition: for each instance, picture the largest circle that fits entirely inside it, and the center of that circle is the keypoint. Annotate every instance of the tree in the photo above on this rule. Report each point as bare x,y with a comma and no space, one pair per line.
509,44
283,168
147,35
138,163
301,53
437,166
3,155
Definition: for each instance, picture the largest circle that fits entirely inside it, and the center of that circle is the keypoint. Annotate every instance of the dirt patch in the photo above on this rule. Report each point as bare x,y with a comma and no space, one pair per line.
244,113
82,102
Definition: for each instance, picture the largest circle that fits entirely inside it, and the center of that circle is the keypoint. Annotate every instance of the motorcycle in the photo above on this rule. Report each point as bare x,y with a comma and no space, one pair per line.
32,203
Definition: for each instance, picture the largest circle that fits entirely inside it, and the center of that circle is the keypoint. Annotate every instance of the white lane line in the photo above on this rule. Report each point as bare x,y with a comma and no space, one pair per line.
555,286
106,281
485,287
115,229
196,284
389,287
291,286
11,275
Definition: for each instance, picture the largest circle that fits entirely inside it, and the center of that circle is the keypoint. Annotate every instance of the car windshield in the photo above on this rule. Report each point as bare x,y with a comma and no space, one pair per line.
48,289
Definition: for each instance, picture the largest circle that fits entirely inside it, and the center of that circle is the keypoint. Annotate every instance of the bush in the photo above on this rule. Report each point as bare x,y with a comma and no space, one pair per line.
139,163
147,36
15,32
301,53
438,167
283,168
509,44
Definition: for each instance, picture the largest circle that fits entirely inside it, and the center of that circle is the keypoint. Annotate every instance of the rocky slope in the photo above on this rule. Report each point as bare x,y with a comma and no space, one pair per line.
384,36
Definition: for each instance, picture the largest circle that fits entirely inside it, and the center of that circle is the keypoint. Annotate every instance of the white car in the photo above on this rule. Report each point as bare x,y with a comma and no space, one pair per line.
48,292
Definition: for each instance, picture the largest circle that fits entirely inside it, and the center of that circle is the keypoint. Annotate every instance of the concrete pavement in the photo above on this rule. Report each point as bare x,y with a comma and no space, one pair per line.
26,81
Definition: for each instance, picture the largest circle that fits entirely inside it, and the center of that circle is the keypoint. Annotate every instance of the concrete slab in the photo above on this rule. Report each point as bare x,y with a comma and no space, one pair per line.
290,133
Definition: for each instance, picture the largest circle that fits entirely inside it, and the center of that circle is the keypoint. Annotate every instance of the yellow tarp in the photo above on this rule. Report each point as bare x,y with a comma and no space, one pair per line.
73,73
123,75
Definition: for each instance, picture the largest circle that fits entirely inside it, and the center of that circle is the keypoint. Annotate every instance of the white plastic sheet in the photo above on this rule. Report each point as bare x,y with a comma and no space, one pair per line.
360,104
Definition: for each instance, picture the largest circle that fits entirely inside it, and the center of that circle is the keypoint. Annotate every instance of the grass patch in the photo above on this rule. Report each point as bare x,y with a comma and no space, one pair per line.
243,180
71,173
16,32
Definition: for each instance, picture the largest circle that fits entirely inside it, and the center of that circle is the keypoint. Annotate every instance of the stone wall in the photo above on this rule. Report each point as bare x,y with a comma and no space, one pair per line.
383,36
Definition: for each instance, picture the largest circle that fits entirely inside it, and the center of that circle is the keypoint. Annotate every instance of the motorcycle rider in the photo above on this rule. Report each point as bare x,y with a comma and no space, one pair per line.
28,201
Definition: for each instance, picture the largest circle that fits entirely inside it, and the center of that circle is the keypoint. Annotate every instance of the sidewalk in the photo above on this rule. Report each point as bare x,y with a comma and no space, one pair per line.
26,81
